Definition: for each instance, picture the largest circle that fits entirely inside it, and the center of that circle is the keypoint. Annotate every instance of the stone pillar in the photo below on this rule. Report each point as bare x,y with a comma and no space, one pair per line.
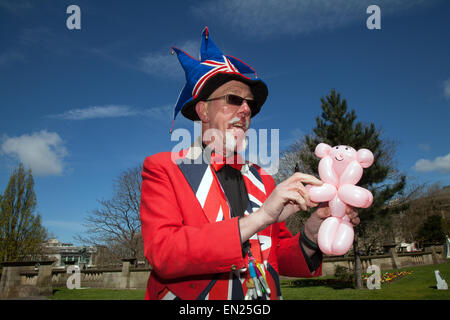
44,280
10,283
125,276
434,255
90,260
10,279
395,261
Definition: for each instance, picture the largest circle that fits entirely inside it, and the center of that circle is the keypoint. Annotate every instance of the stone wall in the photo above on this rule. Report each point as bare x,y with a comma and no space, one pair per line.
392,260
22,279
12,285
135,278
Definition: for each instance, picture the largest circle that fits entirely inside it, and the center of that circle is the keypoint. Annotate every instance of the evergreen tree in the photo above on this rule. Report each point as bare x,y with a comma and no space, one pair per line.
21,232
338,126
432,230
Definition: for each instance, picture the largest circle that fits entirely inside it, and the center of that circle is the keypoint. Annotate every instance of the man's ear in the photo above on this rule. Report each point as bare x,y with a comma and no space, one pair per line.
202,111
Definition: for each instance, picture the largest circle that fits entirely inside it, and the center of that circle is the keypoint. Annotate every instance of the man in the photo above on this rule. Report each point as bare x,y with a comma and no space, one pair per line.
214,229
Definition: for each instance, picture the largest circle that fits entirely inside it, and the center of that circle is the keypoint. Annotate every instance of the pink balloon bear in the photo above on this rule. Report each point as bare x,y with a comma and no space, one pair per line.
340,168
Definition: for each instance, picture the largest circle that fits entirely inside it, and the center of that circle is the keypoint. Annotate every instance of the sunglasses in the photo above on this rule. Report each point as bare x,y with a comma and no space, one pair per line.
235,100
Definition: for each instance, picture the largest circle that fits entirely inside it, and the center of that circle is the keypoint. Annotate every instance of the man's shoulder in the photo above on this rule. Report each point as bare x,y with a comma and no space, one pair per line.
166,158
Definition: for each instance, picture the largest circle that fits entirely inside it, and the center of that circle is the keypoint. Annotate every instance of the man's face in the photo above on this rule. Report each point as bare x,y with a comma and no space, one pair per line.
231,121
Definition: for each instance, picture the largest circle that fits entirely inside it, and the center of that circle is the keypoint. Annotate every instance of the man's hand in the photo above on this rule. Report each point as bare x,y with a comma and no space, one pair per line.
288,197
312,225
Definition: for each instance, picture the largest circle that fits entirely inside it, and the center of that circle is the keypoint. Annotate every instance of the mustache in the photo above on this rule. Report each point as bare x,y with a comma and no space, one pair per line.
238,120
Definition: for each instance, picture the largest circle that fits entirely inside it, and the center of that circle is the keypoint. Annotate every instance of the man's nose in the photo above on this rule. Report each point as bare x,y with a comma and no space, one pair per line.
244,109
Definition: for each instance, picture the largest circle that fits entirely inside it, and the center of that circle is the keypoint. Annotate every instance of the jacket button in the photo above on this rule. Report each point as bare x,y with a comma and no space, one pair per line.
192,286
233,267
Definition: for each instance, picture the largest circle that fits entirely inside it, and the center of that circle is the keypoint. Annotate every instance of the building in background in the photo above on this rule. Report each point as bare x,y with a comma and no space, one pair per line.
67,253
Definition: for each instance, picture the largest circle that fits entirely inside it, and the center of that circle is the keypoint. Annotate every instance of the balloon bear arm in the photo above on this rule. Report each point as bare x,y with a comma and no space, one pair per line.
355,196
352,173
324,193
326,171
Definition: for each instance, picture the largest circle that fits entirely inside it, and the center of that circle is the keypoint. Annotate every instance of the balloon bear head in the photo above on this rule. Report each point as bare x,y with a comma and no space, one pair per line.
342,156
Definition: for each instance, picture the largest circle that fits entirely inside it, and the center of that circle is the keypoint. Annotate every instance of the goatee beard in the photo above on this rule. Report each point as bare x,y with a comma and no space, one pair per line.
232,146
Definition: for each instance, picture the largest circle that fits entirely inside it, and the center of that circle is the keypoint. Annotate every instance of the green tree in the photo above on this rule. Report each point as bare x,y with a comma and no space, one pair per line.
21,231
431,230
338,126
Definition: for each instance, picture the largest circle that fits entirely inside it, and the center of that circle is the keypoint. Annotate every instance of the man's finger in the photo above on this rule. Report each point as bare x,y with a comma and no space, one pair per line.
323,211
352,213
306,178
302,190
305,194
355,221
313,204
298,199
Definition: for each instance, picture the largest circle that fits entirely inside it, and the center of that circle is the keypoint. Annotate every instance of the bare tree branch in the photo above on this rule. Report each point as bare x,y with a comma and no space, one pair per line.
116,225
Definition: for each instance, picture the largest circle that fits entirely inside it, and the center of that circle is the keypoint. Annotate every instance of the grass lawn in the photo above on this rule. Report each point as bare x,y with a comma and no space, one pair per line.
97,294
420,285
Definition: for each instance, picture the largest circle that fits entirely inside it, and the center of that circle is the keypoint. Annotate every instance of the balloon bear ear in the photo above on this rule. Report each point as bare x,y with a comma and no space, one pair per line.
322,150
365,157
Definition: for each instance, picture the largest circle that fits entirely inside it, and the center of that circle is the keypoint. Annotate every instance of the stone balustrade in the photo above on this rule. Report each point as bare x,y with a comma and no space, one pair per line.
22,279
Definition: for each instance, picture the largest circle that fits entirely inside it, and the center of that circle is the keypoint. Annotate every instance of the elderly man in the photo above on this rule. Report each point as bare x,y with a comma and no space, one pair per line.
215,229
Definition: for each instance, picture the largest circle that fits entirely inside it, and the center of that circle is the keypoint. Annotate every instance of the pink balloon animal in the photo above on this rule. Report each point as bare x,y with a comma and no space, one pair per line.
340,168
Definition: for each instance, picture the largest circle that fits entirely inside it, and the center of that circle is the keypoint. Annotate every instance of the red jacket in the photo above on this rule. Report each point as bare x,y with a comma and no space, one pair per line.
185,245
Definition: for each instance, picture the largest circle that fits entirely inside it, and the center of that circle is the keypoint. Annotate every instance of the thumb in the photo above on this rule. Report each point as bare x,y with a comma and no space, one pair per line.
323,211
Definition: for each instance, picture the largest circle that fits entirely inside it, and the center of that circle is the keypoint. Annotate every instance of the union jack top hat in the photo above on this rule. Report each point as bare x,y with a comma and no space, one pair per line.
213,69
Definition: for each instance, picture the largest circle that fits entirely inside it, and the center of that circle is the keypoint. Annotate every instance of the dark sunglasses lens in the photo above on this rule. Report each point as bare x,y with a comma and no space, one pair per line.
234,100
237,101
252,104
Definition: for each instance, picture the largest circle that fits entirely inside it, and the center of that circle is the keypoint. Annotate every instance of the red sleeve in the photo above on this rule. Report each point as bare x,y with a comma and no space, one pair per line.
291,261
173,248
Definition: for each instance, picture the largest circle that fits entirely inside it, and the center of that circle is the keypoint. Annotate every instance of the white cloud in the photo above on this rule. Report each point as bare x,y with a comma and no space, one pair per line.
164,64
164,112
43,152
95,112
257,18
440,164
447,89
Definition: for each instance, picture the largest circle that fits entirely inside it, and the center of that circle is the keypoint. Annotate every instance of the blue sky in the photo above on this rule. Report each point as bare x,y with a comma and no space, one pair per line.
81,106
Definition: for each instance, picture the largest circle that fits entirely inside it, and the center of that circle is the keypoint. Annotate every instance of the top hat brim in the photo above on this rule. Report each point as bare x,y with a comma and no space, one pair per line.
257,87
